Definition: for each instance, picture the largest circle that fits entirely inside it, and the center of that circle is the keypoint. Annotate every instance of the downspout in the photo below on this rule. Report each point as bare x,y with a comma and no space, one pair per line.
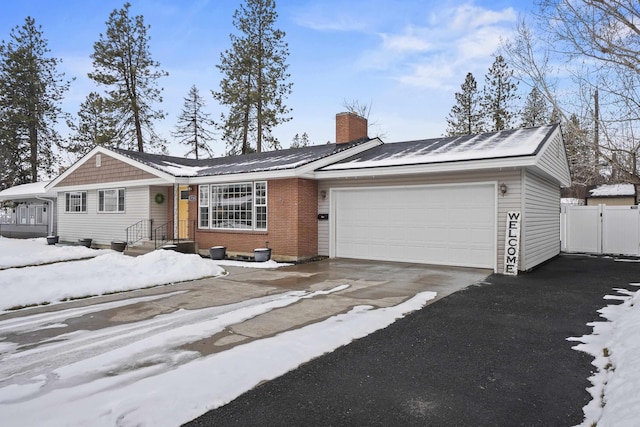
176,200
52,203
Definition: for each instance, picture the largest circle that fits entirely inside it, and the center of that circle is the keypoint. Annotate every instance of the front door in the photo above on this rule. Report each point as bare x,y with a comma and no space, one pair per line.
183,212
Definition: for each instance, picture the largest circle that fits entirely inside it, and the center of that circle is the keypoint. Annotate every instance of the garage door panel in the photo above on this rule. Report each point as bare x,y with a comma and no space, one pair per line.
440,225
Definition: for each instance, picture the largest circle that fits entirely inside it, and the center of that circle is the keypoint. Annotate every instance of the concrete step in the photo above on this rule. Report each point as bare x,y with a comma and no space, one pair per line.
140,248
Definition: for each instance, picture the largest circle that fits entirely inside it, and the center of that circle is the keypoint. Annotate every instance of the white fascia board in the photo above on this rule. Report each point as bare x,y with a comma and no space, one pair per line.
245,176
428,168
165,177
565,180
113,184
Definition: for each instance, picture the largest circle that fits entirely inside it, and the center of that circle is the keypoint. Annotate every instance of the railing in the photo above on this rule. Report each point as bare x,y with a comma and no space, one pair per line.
166,232
138,231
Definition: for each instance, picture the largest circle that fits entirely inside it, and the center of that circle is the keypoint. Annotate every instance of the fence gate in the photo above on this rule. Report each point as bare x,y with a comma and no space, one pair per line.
600,229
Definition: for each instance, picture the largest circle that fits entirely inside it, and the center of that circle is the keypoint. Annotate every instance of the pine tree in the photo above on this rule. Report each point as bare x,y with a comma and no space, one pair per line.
96,125
31,90
465,117
499,96
254,82
192,128
579,153
300,141
122,62
536,110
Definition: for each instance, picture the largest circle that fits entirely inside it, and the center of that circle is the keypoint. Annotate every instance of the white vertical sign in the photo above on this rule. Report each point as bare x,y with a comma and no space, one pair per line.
512,243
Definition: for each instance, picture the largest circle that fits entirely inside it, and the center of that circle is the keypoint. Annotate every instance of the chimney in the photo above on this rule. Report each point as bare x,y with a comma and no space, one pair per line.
350,127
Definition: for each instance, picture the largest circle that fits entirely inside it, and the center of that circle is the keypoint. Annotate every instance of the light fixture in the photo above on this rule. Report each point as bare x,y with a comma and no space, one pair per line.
503,188
323,194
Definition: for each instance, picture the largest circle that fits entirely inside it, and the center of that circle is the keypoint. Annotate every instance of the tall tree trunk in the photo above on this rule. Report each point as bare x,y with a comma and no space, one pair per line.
245,121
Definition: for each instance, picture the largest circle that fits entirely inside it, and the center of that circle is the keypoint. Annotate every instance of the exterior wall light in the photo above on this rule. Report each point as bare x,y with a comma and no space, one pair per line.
323,194
503,188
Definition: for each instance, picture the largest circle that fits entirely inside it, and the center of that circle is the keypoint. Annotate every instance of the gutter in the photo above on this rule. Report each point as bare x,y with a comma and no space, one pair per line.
52,203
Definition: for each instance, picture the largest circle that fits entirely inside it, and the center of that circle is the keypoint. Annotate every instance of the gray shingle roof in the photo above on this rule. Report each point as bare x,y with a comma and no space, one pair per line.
255,162
494,145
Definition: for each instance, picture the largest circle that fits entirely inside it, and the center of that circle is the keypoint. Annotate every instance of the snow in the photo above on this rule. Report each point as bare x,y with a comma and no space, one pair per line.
23,252
179,170
106,272
611,190
140,373
264,265
571,201
521,142
26,190
615,345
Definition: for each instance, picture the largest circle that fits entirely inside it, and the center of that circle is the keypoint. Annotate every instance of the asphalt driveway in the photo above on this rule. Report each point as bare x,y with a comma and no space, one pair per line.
493,354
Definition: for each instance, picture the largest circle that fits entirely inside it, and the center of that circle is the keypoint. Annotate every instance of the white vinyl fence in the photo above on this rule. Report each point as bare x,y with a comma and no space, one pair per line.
600,229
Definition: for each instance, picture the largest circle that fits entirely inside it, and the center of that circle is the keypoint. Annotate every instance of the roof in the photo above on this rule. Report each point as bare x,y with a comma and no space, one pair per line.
26,191
255,162
504,144
613,190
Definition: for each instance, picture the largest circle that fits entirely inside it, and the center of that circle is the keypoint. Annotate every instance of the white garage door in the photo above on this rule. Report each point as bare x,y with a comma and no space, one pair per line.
448,225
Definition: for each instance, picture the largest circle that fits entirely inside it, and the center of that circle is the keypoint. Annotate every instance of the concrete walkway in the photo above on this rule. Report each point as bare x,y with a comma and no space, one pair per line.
369,283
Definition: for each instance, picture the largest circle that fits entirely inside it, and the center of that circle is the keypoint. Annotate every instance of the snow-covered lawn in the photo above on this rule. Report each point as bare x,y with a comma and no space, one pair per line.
140,373
21,252
107,273
615,345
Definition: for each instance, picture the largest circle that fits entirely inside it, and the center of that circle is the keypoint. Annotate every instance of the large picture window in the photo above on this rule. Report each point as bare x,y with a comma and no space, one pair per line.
238,206
111,200
75,201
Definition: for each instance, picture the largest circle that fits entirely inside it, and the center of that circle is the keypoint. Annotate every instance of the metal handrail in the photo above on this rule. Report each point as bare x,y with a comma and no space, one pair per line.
138,231
166,232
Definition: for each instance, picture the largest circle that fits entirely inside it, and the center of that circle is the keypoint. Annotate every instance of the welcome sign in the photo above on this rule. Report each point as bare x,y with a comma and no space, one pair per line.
512,243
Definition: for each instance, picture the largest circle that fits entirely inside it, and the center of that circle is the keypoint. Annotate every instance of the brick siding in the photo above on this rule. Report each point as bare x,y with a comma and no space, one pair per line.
292,228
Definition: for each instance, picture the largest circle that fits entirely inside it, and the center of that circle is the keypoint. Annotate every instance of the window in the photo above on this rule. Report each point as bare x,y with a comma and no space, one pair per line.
241,206
111,200
184,194
203,206
76,201
261,206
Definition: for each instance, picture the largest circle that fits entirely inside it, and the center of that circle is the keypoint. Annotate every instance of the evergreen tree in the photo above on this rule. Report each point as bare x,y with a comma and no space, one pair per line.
192,128
122,62
499,96
96,125
300,141
254,82
465,117
30,93
580,154
536,110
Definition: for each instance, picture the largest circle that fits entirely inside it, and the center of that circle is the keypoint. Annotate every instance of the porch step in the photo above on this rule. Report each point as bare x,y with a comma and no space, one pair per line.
146,246
140,248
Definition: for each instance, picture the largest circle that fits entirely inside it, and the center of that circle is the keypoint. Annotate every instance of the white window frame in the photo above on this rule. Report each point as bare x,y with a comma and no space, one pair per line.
203,203
82,202
210,205
120,201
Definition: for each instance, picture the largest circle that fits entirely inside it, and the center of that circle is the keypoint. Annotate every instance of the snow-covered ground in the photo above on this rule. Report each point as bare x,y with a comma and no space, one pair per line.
615,345
140,373
106,272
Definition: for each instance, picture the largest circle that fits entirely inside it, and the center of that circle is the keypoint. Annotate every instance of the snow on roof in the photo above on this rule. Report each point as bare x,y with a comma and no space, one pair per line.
571,201
25,191
508,143
254,162
613,190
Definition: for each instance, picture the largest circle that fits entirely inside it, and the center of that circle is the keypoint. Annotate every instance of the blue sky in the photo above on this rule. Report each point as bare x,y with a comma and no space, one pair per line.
407,58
